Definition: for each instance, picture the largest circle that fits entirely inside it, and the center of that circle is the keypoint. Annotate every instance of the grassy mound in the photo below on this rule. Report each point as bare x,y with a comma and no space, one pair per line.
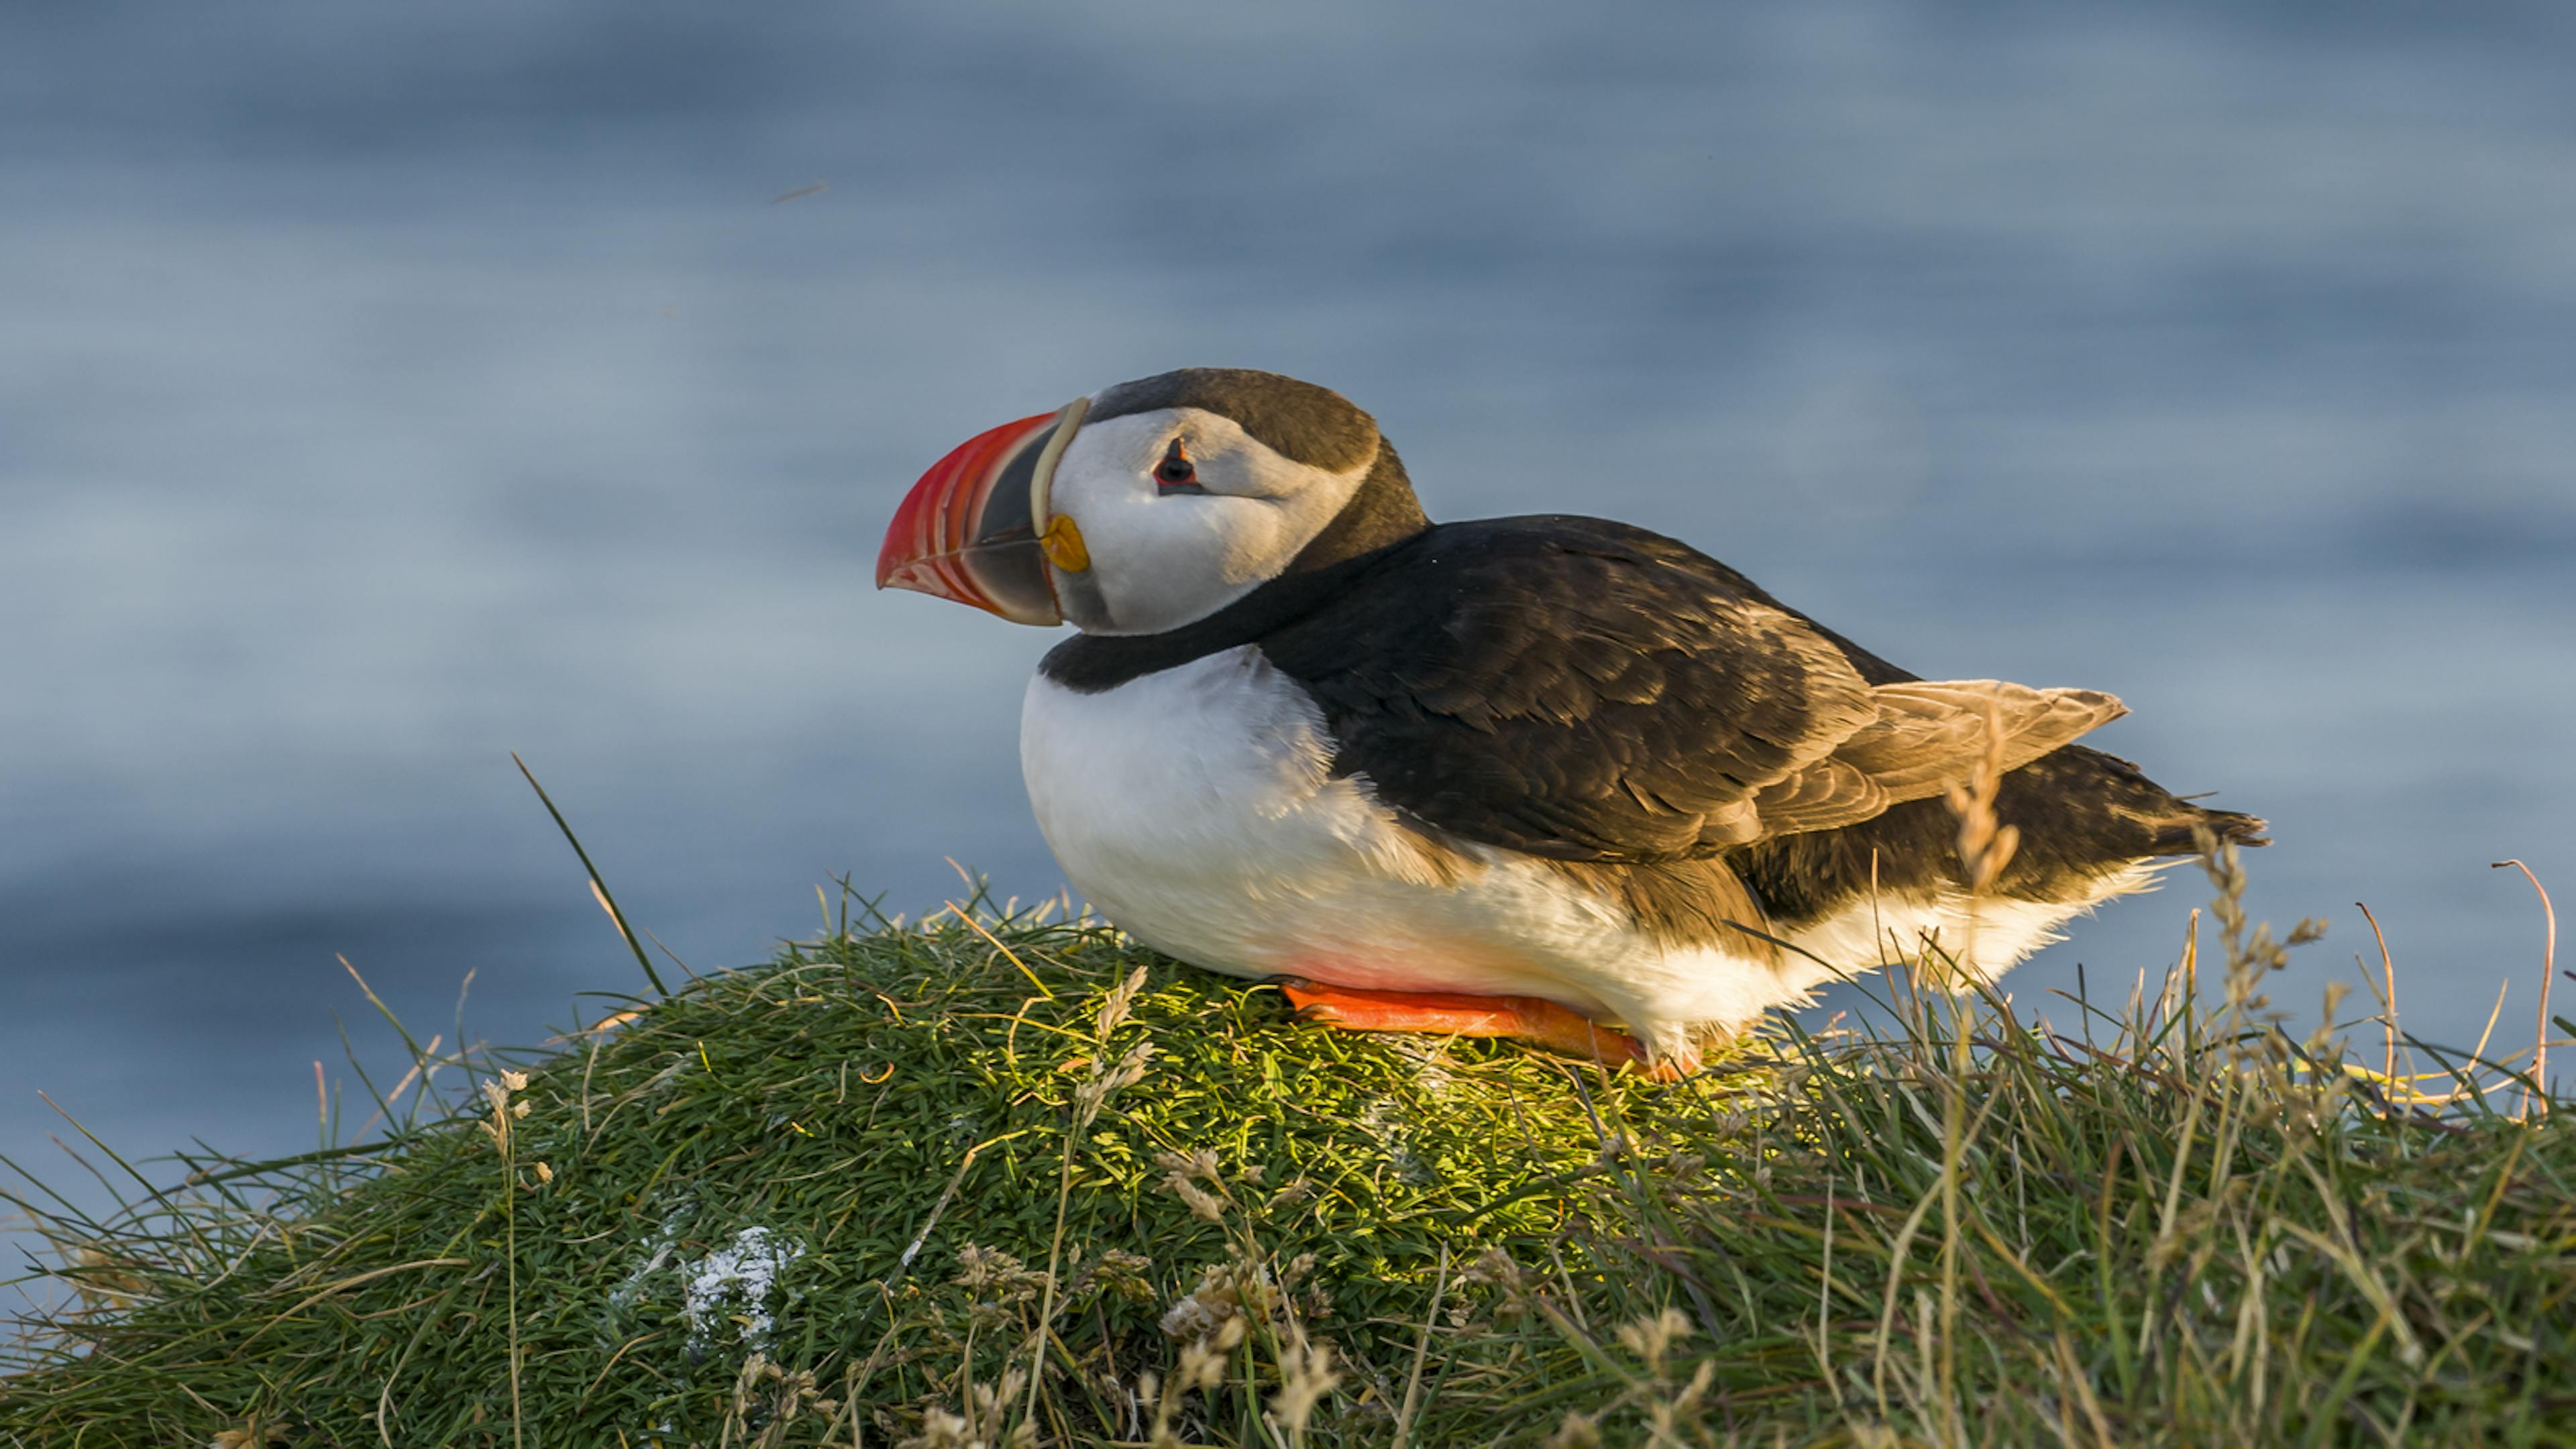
1005,1182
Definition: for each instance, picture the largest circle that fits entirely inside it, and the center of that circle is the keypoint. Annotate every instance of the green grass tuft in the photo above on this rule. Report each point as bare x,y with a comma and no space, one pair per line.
966,1153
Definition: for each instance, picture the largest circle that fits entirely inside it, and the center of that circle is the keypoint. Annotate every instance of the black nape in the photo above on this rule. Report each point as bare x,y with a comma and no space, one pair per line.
1382,513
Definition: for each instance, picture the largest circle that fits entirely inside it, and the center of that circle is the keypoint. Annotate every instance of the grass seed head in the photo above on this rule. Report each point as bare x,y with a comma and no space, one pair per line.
1577,1430
1305,1377
1652,1338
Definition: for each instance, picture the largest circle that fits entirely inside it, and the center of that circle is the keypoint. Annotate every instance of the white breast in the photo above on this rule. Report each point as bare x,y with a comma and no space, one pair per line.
1196,809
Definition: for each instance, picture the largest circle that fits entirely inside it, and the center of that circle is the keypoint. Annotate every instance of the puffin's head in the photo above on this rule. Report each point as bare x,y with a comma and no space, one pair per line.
1151,504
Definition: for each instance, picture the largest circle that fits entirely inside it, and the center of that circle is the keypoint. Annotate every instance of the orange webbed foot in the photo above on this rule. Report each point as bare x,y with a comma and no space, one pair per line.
1522,1018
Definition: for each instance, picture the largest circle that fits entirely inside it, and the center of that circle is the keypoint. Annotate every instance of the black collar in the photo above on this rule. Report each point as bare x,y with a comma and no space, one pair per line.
1091,663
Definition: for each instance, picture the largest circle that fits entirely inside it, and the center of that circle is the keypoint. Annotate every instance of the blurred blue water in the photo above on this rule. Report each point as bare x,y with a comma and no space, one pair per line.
385,389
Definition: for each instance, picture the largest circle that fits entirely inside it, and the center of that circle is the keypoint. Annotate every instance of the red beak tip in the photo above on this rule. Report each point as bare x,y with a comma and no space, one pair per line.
929,544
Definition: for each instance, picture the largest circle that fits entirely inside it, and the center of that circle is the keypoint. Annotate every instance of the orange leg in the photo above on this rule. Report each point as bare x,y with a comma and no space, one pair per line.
1523,1018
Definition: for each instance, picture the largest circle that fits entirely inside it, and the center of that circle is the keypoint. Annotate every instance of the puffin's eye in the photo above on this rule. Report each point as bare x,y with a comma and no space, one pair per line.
1176,470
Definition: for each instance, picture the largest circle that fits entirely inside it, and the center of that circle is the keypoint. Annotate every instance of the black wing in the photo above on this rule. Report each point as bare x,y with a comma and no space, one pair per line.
1572,688
1583,690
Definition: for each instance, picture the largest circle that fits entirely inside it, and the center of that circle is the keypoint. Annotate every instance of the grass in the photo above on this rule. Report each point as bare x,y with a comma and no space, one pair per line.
991,1180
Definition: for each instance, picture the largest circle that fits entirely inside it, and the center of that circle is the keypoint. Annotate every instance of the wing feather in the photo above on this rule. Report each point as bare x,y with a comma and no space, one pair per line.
1586,691
1928,735
1932,732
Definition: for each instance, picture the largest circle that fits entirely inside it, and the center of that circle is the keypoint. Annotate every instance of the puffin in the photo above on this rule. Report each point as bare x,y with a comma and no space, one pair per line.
1552,778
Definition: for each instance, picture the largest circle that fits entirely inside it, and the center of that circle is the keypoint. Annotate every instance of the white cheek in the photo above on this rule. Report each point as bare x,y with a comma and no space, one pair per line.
1158,563
1167,561
1248,537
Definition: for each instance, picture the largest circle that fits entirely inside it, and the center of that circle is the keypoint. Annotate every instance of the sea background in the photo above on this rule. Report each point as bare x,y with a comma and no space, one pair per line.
387,389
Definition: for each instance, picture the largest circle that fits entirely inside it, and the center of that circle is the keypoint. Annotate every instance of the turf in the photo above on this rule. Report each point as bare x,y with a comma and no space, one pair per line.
860,1193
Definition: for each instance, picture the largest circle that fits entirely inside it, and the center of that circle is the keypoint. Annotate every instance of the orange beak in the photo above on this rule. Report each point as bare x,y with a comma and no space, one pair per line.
977,527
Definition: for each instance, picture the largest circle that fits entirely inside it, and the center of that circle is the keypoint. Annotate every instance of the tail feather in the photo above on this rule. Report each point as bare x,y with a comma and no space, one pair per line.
2181,836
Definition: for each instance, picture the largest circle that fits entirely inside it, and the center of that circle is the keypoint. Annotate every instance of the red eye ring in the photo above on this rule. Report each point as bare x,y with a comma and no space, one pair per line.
1176,471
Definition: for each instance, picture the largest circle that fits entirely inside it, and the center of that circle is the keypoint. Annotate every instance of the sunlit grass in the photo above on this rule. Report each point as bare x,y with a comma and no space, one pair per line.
995,1180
